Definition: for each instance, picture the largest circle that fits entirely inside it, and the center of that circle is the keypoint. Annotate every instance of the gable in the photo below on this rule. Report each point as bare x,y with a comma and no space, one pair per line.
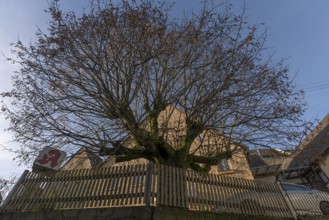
312,147
83,159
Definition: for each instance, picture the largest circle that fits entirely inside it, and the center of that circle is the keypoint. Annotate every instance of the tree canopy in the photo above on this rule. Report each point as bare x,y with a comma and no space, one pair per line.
103,77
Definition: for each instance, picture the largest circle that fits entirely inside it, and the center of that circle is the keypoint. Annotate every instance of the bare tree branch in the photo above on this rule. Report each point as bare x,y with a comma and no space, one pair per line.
104,78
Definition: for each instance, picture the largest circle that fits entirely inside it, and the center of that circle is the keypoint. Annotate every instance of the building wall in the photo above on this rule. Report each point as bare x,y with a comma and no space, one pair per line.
79,161
172,126
311,149
239,166
324,164
132,162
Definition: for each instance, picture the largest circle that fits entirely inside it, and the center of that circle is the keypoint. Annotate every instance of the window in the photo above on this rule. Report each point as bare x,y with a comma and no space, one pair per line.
225,165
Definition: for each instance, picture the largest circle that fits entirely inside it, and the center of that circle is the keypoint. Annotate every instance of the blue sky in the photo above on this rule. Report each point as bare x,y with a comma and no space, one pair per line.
298,31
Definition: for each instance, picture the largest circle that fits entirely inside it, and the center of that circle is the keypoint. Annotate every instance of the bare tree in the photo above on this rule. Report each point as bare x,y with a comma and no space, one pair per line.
102,78
5,186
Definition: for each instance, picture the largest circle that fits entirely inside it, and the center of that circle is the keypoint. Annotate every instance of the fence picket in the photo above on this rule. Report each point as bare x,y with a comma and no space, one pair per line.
107,175
140,185
35,192
127,187
214,196
189,201
181,189
69,195
121,178
111,187
100,188
225,194
116,191
79,188
269,204
96,188
155,184
20,197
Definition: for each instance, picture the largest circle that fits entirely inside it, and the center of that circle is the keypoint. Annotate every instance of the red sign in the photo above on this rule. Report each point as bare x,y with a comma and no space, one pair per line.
49,159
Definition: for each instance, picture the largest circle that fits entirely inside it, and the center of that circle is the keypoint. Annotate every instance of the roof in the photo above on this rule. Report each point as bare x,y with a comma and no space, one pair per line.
265,162
263,157
315,144
255,160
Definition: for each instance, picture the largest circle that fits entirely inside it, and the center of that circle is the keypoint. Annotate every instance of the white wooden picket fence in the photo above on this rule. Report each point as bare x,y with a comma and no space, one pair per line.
145,185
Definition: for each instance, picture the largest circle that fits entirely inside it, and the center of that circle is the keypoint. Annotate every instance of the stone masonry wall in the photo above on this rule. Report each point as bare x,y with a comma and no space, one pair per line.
126,213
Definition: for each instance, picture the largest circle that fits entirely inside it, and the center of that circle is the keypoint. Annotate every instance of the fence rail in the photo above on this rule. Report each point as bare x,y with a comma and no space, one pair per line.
143,185
218,193
77,189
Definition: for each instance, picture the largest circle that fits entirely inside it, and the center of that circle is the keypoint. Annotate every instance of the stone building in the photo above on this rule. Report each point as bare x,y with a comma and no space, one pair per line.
309,164
172,127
